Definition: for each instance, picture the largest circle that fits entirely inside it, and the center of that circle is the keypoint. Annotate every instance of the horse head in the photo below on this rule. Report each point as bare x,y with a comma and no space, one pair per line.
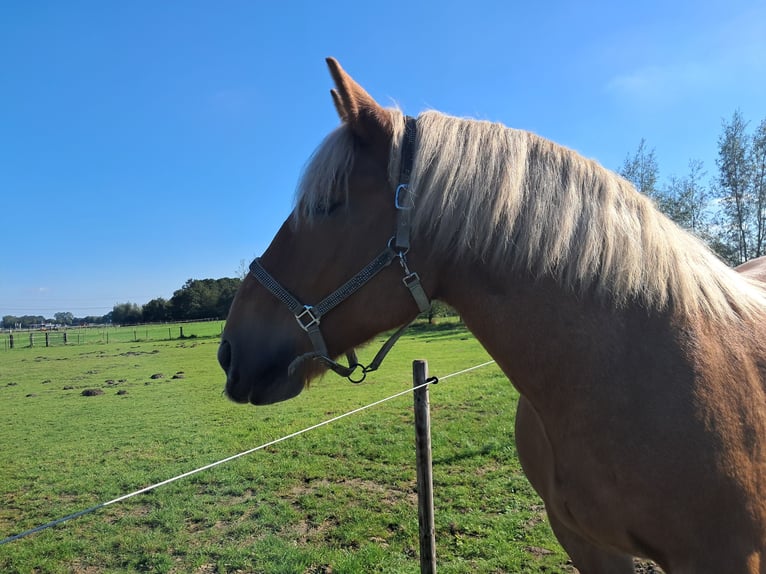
302,305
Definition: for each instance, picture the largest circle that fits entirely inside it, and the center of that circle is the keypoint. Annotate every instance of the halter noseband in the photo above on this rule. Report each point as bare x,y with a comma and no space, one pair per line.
309,316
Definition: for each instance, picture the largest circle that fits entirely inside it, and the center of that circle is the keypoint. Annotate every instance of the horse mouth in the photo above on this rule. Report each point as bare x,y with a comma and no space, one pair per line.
261,386
263,390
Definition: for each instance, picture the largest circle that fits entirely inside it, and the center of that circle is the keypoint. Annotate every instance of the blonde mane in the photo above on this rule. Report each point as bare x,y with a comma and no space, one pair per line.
516,200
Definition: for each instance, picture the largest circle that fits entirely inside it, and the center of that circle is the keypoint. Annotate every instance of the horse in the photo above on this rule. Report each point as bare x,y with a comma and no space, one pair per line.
639,356
755,268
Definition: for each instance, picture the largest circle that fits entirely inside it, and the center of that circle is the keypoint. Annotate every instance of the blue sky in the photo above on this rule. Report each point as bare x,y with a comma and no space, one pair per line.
145,143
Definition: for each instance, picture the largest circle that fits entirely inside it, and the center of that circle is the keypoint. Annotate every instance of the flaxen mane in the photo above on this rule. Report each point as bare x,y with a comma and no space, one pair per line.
515,199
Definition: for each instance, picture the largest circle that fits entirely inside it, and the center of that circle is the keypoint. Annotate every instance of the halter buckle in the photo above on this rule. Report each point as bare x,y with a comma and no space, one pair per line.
306,318
411,278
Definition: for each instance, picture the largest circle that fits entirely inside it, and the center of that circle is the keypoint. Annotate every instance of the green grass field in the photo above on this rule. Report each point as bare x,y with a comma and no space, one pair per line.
338,499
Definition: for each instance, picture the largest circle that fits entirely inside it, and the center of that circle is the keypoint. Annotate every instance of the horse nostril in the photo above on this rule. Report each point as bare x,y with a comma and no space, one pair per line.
224,355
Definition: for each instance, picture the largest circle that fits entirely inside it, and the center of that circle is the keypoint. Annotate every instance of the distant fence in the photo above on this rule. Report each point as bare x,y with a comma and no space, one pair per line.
17,339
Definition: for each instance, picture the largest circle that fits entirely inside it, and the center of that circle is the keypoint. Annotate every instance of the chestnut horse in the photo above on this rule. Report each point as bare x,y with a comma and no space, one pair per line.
640,357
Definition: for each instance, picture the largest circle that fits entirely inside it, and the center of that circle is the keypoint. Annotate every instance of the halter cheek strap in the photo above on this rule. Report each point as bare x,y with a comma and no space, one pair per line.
309,316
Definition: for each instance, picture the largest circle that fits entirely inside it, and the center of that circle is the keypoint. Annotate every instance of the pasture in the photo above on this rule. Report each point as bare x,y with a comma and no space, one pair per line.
338,499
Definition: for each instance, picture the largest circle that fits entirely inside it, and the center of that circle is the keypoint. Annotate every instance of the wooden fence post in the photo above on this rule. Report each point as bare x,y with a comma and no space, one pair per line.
10,340
424,470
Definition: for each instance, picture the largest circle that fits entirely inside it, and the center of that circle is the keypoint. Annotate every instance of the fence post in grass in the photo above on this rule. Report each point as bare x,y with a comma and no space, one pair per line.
47,339
424,470
10,340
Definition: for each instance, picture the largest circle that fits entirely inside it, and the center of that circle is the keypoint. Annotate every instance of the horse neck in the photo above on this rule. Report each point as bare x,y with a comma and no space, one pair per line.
547,339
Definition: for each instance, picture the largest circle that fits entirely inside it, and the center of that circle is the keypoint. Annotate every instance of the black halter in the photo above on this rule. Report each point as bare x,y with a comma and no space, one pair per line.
309,316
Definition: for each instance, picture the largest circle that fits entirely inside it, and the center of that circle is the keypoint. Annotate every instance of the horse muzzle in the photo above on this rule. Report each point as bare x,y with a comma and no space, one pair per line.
251,380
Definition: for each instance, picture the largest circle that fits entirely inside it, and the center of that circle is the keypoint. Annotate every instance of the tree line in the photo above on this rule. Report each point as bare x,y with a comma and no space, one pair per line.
197,299
728,210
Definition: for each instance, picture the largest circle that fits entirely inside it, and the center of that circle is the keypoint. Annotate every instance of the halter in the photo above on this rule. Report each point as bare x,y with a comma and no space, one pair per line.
309,316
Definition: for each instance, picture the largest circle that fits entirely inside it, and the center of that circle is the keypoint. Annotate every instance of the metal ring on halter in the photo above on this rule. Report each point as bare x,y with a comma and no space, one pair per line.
351,378
396,249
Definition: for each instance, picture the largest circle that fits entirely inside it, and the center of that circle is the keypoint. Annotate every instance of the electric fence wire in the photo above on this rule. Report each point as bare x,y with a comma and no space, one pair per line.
92,509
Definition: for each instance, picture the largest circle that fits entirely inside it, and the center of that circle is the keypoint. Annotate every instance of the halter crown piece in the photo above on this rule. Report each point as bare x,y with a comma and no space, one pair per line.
309,316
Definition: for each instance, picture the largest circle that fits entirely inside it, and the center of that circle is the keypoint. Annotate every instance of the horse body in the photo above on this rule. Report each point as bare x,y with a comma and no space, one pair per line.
640,359
755,268
641,433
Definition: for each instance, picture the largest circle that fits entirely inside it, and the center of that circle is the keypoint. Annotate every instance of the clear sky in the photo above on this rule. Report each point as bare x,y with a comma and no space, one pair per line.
146,143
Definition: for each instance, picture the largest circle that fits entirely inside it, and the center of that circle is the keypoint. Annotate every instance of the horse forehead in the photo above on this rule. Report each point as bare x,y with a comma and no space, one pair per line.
369,168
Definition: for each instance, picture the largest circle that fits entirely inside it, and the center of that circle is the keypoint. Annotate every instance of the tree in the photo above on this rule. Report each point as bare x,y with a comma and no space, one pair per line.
439,309
729,214
23,322
227,289
734,187
758,186
192,301
156,311
641,170
126,314
204,299
63,318
685,200
243,269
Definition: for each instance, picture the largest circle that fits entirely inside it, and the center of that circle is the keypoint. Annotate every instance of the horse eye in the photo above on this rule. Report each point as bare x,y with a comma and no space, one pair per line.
328,208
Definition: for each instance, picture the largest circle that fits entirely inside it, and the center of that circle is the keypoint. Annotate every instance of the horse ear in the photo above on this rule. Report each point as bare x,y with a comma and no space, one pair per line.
356,107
